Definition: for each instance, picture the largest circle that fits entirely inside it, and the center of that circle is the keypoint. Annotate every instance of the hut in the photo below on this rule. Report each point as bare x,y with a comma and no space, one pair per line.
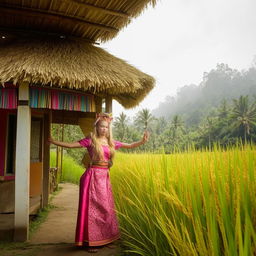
53,71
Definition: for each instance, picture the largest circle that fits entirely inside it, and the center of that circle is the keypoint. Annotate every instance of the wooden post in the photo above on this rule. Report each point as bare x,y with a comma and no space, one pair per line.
22,165
46,161
61,152
109,104
98,104
57,148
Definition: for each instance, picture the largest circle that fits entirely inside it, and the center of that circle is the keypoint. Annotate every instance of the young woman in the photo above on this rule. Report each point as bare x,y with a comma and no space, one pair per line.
96,221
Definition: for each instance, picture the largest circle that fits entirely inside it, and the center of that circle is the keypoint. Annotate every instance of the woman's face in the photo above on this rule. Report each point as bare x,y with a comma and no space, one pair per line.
102,128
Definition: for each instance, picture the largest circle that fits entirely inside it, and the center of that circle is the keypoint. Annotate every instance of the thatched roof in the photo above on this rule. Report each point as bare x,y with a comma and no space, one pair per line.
89,19
73,64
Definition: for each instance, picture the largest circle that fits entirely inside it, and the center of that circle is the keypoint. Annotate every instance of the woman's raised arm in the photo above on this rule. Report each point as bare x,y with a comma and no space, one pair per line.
64,144
138,143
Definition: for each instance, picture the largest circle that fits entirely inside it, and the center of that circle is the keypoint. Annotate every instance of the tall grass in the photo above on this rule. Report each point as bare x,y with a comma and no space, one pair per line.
193,203
71,171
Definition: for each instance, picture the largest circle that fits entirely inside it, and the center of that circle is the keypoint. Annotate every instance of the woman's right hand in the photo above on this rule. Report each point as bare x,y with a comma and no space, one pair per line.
64,144
50,140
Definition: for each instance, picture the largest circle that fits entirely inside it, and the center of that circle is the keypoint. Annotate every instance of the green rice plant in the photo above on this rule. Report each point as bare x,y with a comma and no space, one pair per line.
193,203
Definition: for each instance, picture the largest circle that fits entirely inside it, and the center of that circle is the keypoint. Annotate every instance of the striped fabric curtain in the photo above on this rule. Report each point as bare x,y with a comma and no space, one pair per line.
60,100
8,98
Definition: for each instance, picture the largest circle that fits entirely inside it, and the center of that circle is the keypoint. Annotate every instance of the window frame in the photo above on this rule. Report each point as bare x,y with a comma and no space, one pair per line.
40,158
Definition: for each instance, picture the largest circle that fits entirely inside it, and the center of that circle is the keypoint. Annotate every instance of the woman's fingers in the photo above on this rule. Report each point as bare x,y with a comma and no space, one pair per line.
145,135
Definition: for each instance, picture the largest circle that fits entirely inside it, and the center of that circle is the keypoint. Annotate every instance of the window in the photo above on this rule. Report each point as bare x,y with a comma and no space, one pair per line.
36,140
11,144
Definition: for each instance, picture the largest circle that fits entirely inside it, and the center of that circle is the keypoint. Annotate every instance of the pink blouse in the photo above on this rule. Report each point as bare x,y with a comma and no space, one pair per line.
87,143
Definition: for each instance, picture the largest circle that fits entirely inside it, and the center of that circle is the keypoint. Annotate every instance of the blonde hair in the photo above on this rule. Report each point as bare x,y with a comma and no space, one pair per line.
97,148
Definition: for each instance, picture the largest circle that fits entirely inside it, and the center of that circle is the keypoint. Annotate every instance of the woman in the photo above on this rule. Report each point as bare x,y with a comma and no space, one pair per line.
96,221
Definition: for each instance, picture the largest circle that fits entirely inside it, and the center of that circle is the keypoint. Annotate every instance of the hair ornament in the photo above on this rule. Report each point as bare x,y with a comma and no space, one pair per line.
103,117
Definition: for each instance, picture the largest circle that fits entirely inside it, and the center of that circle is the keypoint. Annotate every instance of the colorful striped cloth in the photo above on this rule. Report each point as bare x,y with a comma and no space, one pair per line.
8,98
49,98
54,99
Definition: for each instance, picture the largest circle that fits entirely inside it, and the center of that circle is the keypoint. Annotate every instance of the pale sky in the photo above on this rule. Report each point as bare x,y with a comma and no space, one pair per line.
179,40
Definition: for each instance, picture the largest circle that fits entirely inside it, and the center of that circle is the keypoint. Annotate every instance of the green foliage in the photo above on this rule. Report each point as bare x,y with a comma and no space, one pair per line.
69,133
143,119
71,171
226,124
243,116
121,127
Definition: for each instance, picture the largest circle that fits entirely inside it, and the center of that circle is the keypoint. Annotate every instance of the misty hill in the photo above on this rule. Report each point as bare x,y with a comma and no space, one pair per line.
193,102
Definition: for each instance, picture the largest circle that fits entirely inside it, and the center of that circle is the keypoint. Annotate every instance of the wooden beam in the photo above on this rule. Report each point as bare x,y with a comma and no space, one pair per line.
22,166
57,16
109,104
70,117
100,9
98,104
14,32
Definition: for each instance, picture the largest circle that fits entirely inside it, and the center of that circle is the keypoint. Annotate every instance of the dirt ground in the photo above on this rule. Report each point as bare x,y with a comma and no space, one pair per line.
55,237
61,221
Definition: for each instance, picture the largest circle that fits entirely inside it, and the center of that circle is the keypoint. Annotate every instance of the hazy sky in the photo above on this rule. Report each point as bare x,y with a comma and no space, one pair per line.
178,40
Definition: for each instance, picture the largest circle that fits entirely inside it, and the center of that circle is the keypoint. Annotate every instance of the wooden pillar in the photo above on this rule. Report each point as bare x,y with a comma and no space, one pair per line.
22,165
46,161
98,104
109,104
61,151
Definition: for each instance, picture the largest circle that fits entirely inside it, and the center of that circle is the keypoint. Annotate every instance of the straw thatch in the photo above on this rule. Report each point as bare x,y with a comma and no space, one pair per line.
73,64
90,19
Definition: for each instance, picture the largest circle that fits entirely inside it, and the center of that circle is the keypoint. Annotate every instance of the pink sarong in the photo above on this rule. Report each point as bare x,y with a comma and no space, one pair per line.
97,223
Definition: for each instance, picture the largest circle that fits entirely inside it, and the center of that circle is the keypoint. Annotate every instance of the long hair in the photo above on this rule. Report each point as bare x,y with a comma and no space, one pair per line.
97,148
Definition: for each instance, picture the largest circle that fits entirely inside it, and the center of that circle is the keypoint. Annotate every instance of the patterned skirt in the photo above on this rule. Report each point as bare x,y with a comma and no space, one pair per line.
96,220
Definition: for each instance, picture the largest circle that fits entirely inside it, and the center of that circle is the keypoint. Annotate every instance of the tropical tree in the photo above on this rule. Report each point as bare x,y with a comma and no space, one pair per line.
222,125
177,124
143,119
243,115
207,131
121,126
174,133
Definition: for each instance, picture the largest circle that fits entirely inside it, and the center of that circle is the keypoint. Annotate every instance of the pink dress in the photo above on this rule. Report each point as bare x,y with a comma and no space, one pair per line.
96,220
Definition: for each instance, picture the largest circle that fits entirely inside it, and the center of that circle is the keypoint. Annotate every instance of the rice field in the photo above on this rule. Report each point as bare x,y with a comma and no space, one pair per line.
194,203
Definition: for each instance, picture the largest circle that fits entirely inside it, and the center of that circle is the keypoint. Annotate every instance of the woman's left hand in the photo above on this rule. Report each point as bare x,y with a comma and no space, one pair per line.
145,136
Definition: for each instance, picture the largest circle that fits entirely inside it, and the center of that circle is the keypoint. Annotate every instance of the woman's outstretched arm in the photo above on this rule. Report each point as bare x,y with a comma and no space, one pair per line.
64,144
138,143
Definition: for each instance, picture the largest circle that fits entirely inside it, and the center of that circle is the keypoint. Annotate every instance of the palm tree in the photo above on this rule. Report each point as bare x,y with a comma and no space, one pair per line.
174,132
207,130
222,129
223,110
144,118
176,125
121,125
243,115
